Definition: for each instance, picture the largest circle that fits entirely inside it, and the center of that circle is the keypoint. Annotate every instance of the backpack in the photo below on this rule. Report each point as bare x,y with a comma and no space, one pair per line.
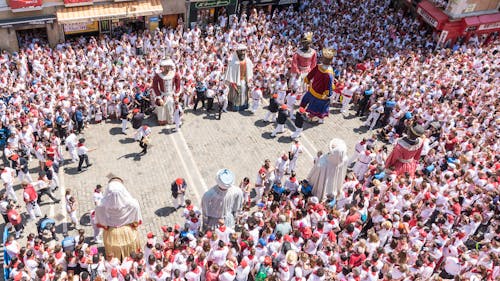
261,274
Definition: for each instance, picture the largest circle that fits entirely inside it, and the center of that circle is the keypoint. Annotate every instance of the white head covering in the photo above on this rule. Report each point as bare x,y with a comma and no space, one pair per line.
224,178
117,207
167,62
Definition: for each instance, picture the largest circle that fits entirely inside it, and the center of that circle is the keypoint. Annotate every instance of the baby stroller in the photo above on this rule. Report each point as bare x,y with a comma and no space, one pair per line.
45,225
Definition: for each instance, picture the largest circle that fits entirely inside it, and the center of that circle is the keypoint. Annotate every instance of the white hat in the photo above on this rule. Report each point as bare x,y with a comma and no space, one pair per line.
224,178
241,47
167,62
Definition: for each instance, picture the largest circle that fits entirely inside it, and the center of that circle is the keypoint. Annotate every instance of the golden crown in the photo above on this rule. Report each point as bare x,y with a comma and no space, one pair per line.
307,37
328,53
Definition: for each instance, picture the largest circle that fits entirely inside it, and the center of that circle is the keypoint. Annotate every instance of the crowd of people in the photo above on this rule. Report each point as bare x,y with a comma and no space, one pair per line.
442,224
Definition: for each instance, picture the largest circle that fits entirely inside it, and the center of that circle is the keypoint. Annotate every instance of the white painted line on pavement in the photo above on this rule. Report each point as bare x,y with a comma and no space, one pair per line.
62,199
193,167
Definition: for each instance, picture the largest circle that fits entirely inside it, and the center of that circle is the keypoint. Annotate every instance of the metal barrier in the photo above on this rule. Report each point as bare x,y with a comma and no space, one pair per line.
6,258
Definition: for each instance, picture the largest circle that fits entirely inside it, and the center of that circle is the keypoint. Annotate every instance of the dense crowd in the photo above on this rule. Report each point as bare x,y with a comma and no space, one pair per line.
442,224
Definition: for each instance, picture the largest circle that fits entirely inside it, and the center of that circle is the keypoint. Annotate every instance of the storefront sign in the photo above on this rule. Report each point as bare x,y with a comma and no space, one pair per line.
428,18
82,27
72,3
24,5
442,37
153,23
494,25
212,4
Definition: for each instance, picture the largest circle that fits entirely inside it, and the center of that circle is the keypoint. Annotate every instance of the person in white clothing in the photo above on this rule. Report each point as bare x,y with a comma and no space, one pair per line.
71,143
256,99
282,166
362,164
375,111
178,112
8,175
359,148
291,99
347,96
295,151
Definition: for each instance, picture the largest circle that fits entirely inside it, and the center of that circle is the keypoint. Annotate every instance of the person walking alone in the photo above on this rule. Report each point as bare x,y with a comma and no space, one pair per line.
280,122
124,111
178,188
82,154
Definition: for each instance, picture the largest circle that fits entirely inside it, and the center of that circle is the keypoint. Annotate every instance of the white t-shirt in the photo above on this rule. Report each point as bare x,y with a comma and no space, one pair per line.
82,150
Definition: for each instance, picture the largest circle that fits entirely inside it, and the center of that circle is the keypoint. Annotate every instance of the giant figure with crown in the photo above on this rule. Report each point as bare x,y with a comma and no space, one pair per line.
321,85
303,60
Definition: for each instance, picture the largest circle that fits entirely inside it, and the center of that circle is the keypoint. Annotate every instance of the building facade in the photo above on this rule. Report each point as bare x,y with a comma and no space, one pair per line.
53,21
459,20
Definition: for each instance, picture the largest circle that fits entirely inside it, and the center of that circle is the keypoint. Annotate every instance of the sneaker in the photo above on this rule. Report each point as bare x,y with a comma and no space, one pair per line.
89,165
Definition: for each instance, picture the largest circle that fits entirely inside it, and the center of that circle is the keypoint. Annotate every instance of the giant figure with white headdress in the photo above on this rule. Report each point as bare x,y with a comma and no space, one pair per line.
166,86
119,214
239,74
222,201
327,175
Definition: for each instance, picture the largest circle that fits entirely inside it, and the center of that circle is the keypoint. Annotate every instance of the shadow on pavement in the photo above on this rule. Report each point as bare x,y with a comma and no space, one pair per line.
285,139
127,140
165,211
361,130
136,156
115,131
166,131
261,123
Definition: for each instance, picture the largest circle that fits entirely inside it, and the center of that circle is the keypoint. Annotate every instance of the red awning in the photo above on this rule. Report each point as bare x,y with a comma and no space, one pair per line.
432,15
489,23
472,21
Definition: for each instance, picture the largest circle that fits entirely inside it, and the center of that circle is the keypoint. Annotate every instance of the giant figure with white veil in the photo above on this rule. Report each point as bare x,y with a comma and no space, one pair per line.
119,215
327,175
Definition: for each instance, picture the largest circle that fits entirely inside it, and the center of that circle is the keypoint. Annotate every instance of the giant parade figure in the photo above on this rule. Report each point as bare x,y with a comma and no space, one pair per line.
328,174
222,201
166,84
119,215
303,60
320,80
406,153
238,76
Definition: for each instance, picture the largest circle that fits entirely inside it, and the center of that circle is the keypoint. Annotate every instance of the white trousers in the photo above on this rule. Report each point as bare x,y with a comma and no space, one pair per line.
24,176
124,125
255,105
293,163
345,104
9,189
271,115
297,133
372,119
73,153
280,128
259,190
353,158
33,210
180,201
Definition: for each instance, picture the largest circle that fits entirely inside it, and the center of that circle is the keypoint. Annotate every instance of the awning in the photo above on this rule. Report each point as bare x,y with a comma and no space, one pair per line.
489,22
432,15
27,20
109,11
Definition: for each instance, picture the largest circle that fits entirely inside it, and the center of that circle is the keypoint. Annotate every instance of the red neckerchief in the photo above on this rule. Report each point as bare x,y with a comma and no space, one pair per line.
222,228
